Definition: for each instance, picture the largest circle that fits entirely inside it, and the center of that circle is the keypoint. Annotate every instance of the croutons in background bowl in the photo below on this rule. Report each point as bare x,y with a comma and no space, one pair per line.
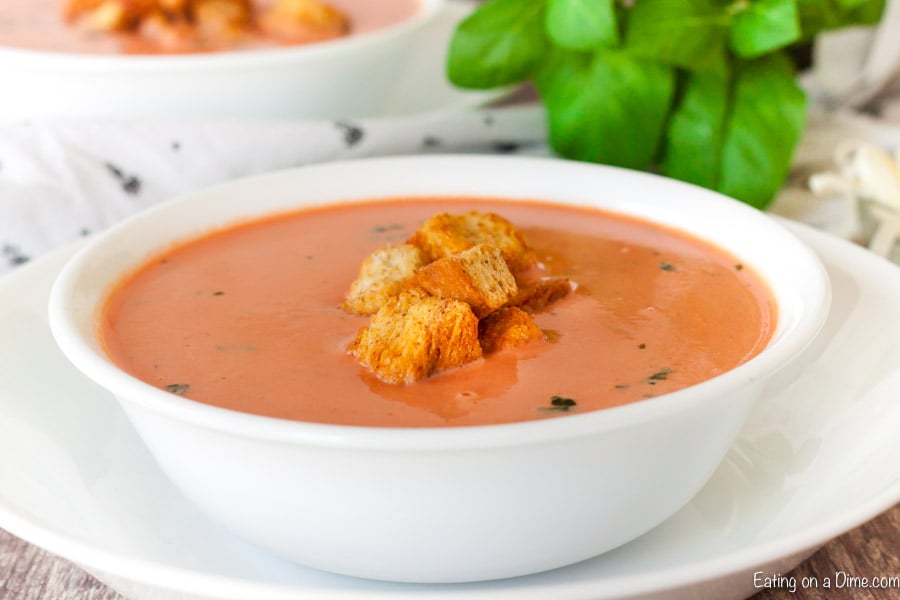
351,76
447,504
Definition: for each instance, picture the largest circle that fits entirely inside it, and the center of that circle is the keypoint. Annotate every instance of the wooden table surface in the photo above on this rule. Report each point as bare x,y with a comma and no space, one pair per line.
872,550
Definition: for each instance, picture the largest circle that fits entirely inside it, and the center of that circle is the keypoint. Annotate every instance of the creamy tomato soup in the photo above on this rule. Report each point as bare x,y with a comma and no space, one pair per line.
39,25
249,319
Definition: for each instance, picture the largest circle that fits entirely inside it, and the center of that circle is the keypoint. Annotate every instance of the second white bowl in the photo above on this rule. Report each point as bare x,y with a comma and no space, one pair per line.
349,77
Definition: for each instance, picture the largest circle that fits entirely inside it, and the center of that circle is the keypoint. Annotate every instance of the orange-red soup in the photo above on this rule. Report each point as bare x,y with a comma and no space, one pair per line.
248,318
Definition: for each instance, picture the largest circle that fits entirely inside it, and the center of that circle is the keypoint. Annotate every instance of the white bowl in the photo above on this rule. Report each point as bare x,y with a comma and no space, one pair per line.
447,504
348,77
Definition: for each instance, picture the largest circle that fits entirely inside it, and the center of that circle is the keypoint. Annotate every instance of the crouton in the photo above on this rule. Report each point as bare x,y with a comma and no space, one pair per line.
174,6
168,33
103,15
382,275
445,234
303,20
221,20
112,15
536,296
478,276
414,335
506,327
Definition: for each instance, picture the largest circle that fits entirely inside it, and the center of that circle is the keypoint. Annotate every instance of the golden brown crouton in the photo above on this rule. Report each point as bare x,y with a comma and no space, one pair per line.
534,297
221,20
174,6
303,20
445,234
382,275
106,15
112,15
478,276
506,327
171,33
414,334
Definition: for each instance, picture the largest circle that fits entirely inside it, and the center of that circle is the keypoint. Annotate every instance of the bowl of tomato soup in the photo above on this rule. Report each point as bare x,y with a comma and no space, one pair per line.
219,322
168,69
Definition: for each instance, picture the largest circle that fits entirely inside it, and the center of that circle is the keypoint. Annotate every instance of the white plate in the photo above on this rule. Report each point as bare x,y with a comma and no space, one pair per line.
812,462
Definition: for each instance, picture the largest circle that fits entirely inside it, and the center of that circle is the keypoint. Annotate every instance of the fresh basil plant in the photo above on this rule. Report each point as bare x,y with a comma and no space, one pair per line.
700,90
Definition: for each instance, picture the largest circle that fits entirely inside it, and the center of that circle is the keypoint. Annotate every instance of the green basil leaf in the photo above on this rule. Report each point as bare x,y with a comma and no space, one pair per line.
763,26
694,136
849,5
610,108
687,34
582,24
768,113
867,12
498,44
817,16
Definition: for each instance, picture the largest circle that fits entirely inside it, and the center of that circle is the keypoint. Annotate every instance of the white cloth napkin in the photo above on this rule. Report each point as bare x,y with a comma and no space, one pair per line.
63,180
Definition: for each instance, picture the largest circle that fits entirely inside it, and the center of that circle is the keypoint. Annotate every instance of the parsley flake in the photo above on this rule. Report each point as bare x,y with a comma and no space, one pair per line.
178,388
387,228
561,403
659,376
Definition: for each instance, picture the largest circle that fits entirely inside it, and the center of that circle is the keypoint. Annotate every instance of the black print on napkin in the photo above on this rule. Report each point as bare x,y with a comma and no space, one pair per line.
130,183
506,147
13,255
353,134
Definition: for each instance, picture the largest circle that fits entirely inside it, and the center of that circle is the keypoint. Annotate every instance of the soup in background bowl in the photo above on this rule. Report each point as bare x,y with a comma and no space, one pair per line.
125,75
420,501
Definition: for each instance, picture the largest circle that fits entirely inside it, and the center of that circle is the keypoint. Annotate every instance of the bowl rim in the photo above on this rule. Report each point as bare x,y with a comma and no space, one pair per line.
130,390
224,59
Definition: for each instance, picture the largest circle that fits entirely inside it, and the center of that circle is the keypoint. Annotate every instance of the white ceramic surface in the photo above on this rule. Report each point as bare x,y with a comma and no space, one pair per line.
447,504
370,75
812,461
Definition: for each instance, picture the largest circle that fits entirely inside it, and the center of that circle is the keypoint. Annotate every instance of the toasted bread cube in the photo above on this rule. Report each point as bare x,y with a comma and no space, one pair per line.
536,296
303,20
97,15
506,327
445,234
174,6
478,276
222,20
414,335
382,275
166,32
109,15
